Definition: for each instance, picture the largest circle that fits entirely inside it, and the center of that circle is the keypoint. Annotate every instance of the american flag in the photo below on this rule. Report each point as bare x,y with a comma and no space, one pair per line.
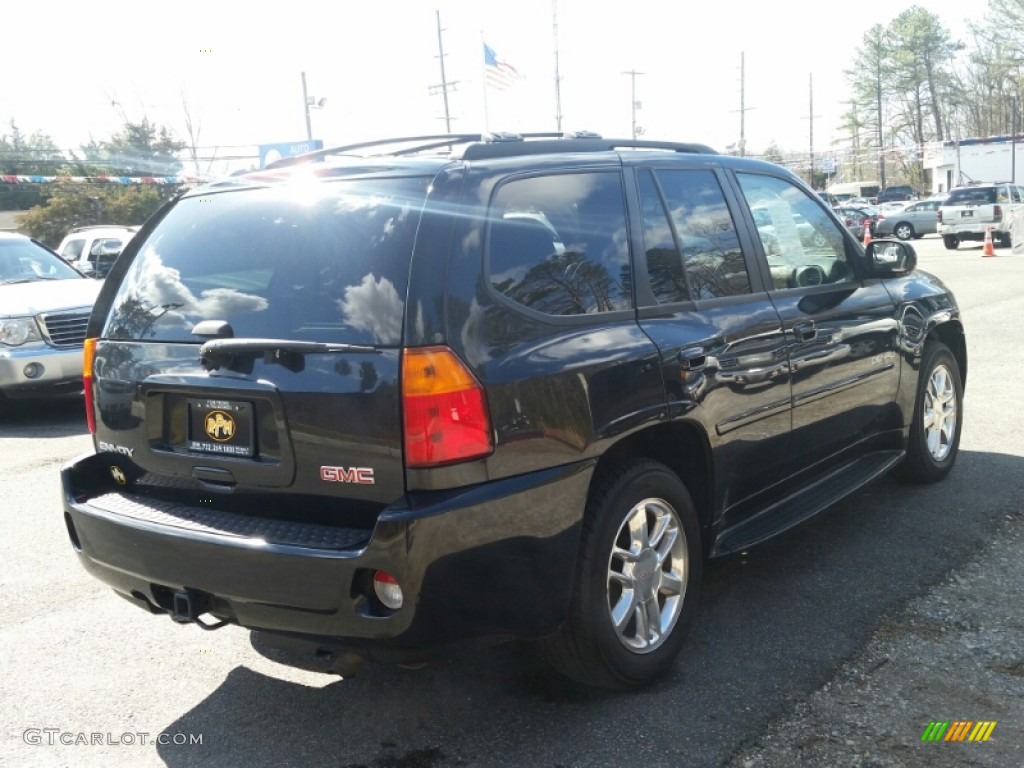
500,74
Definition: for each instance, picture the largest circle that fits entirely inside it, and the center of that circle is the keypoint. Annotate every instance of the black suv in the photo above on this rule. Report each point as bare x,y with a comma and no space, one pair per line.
897,194
388,399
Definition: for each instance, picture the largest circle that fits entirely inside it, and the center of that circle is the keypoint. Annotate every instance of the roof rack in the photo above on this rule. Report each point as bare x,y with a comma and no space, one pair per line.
492,145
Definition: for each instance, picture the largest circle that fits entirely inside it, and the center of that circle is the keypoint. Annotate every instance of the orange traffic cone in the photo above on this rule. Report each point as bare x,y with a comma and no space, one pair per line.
989,249
867,232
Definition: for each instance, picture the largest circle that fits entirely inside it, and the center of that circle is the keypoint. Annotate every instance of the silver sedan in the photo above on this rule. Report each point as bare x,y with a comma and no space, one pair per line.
916,220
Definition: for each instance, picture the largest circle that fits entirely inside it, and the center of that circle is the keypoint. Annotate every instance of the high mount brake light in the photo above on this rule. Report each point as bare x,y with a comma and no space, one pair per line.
444,410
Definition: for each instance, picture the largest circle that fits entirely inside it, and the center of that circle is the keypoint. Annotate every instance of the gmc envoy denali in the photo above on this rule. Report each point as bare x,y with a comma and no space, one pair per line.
386,400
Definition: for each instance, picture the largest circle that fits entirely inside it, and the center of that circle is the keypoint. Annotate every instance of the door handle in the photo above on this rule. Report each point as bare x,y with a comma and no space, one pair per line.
693,359
805,331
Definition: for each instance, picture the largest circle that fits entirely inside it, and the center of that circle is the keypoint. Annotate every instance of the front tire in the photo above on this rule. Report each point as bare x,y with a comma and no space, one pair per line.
636,582
934,440
904,231
951,242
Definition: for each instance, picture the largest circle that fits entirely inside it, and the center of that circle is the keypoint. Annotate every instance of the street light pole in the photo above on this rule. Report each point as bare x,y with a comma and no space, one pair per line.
305,106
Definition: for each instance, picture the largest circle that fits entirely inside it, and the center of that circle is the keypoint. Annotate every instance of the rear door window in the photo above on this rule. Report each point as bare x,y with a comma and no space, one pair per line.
325,262
690,239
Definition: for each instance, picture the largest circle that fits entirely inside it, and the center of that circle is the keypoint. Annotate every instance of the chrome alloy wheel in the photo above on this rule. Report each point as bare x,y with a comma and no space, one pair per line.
939,416
647,575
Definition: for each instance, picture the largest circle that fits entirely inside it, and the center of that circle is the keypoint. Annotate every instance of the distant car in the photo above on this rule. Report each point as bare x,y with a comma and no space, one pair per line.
868,210
44,311
897,193
913,221
898,205
969,212
93,250
854,219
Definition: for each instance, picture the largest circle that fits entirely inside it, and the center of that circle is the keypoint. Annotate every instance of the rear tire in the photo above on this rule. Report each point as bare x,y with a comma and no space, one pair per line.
934,440
636,582
951,242
904,231
1004,240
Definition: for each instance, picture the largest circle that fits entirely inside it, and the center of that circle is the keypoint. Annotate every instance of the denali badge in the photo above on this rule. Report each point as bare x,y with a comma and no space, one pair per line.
103,446
359,475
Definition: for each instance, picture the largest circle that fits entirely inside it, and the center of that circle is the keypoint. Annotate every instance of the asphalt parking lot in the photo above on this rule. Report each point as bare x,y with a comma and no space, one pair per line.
90,680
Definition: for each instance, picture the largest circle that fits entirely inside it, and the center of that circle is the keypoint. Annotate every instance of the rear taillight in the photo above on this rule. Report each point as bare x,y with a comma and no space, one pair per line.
89,355
938,215
997,213
444,409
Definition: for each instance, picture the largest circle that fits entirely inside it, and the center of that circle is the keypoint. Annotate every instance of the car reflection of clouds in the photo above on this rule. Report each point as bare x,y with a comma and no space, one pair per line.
375,307
162,286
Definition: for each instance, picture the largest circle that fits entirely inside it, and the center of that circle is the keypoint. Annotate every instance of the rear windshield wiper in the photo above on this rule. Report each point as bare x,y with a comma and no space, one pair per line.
240,354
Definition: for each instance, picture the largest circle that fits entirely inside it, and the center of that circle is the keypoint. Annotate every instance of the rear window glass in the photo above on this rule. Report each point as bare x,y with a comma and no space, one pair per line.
558,243
324,262
975,196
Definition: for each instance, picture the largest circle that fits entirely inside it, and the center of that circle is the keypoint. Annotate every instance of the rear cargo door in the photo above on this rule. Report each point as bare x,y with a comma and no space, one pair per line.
255,340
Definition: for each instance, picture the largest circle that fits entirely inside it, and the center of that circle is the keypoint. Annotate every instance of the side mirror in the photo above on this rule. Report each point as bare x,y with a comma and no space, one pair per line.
887,258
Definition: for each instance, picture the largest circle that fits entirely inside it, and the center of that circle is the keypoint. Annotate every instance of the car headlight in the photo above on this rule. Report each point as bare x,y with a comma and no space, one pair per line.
15,331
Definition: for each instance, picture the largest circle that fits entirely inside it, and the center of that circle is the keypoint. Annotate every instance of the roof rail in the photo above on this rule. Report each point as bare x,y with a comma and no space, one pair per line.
492,145
585,143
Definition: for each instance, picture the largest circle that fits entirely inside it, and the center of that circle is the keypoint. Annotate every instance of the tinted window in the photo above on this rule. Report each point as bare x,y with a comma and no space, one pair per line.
804,245
664,262
325,261
705,233
972,196
558,243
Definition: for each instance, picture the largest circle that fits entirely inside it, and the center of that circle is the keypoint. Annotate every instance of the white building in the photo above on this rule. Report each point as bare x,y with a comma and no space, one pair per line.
953,163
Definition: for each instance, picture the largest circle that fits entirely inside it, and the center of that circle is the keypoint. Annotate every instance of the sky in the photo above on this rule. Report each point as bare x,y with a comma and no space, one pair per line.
238,68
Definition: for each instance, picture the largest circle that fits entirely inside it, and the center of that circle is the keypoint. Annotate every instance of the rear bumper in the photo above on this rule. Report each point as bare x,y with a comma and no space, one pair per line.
492,561
968,232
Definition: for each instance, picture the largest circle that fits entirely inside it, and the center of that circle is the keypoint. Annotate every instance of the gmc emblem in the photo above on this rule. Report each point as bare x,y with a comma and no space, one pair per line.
358,475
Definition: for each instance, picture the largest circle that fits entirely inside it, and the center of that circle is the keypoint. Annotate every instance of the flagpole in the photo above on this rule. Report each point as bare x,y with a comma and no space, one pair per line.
483,79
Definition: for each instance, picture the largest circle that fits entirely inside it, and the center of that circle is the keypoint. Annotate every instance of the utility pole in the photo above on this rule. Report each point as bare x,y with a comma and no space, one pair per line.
743,107
881,137
1013,141
445,86
305,106
810,117
558,77
632,77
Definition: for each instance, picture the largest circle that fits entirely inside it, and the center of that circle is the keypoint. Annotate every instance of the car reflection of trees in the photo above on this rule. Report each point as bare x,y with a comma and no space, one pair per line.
566,284
711,270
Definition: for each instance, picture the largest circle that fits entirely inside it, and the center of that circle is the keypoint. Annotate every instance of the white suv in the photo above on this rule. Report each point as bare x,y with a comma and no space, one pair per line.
969,211
93,250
